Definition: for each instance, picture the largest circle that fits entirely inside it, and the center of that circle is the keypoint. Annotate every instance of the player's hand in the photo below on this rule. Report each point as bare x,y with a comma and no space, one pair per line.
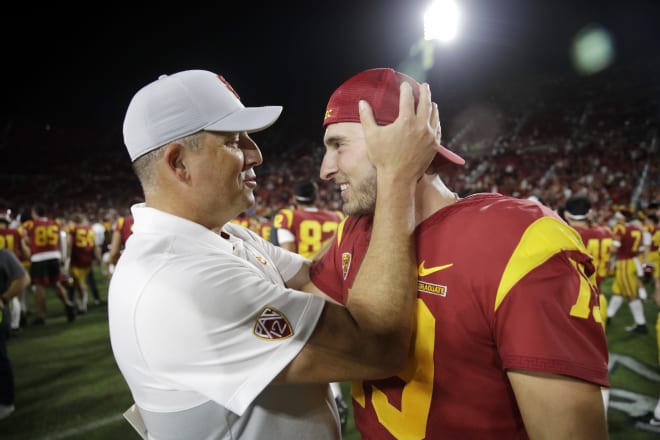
406,147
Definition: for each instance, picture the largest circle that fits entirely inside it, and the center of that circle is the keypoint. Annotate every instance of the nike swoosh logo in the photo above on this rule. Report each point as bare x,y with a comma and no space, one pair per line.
423,271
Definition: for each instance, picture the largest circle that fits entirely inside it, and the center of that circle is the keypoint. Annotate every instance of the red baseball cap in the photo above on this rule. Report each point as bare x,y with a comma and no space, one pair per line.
380,88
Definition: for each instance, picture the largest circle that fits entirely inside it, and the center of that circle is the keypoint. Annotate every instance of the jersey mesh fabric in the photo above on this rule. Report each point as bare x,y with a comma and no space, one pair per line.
497,284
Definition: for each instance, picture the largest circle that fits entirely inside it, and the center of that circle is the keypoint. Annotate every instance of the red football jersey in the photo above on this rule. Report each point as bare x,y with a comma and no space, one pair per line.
44,236
10,238
242,220
311,228
655,237
502,284
263,230
598,241
630,237
82,245
124,226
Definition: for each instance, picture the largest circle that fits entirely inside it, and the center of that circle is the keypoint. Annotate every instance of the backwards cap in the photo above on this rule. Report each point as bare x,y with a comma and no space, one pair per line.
381,89
577,208
184,103
305,191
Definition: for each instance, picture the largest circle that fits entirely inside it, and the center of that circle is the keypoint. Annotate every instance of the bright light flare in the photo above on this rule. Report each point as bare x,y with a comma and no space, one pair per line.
592,50
441,21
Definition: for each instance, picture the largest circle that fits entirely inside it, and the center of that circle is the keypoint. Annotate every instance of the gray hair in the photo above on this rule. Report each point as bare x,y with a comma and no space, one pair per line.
145,166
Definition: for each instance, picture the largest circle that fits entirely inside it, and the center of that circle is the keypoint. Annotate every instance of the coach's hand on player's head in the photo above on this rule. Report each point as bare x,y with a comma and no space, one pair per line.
406,147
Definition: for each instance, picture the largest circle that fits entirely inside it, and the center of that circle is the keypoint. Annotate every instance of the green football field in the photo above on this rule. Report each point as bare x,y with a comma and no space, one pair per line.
68,386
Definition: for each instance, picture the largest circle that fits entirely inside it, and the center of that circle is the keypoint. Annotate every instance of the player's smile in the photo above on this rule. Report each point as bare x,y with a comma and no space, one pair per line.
343,188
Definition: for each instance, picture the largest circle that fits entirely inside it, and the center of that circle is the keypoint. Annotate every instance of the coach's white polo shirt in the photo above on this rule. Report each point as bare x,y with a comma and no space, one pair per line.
201,324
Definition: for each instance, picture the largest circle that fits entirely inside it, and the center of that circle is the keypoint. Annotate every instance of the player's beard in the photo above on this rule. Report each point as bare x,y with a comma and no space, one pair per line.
362,200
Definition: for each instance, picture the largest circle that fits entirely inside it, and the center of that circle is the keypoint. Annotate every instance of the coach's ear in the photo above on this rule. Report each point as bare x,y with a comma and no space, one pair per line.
174,158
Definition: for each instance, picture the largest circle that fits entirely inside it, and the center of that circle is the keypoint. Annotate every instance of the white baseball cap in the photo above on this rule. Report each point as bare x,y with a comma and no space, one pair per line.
184,103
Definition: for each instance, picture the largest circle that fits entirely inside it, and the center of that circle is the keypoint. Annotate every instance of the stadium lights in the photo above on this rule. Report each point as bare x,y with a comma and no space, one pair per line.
441,21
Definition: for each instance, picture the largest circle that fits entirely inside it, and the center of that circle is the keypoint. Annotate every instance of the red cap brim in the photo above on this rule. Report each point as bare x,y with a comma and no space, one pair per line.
450,156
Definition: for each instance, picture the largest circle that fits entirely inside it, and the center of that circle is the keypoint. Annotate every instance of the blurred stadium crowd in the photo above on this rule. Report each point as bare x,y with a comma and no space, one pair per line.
549,138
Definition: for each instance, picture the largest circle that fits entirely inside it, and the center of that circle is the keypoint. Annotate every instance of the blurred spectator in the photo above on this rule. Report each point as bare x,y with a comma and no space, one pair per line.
43,235
13,281
305,228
